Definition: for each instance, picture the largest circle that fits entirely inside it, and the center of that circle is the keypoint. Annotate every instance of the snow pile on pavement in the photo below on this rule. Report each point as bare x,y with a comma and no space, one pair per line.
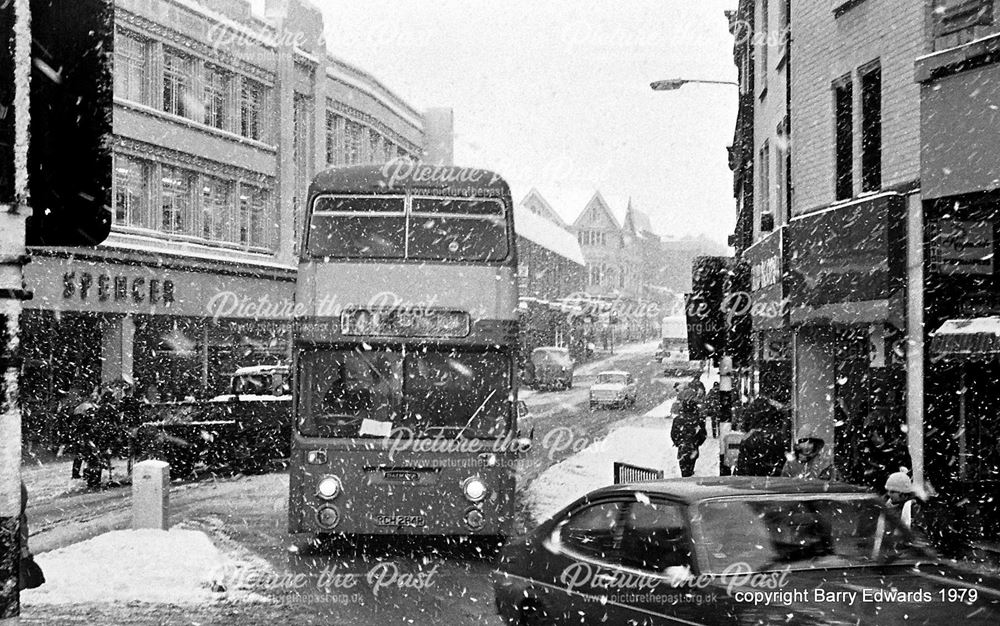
175,567
644,441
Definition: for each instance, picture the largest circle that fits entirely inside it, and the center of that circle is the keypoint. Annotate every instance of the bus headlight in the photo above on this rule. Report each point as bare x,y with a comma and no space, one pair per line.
475,489
328,517
329,487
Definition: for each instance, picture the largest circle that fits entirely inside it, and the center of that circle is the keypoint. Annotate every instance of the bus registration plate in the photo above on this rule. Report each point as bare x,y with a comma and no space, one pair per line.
414,521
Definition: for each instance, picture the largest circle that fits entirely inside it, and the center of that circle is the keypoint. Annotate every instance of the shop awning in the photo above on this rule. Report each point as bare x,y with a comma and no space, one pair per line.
977,337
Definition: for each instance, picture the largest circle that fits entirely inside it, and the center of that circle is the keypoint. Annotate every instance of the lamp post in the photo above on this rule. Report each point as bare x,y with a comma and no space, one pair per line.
672,84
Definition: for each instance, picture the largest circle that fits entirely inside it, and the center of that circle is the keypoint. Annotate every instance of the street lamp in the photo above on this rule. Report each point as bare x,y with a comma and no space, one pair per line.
672,84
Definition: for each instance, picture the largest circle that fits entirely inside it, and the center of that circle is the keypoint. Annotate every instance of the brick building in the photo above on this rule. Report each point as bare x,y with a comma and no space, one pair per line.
881,274
221,117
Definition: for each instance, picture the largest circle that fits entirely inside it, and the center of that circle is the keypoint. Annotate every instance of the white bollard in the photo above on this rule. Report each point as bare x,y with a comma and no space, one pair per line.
150,494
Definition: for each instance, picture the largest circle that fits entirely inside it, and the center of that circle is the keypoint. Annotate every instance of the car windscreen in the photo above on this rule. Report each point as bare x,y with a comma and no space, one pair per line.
553,357
800,532
451,393
611,379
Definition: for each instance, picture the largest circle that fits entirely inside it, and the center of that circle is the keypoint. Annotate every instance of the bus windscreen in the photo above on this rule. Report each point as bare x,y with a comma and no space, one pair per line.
450,393
436,229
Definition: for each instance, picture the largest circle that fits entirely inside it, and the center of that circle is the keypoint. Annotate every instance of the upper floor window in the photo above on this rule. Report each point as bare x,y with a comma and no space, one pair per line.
764,178
764,28
131,68
131,187
334,138
843,104
352,142
217,97
957,22
177,203
177,79
252,109
871,128
253,217
216,199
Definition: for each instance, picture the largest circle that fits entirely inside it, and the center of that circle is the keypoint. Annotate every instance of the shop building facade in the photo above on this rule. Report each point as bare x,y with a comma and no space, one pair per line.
221,118
855,158
959,82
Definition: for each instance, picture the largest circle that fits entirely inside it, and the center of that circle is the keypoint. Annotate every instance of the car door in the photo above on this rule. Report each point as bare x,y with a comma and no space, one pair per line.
657,548
579,551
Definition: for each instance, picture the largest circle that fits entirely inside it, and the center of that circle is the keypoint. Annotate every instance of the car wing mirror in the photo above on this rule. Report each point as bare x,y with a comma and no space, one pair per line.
553,542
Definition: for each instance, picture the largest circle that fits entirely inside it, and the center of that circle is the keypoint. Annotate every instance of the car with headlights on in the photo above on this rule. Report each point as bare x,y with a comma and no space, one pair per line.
613,388
734,550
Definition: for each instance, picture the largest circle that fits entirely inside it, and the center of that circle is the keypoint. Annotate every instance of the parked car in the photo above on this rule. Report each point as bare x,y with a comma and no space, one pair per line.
245,429
734,550
553,368
613,388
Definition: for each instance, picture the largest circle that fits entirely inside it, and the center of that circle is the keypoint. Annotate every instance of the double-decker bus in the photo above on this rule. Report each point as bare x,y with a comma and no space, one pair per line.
404,358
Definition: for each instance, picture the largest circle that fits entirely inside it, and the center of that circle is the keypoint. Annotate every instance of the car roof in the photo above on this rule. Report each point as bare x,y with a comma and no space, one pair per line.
613,372
697,489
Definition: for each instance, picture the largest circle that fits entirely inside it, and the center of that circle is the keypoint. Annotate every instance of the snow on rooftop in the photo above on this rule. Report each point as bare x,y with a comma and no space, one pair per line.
972,326
175,567
547,234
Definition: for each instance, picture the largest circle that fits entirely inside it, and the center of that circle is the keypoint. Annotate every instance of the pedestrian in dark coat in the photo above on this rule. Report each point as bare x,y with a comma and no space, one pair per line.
764,449
713,407
688,431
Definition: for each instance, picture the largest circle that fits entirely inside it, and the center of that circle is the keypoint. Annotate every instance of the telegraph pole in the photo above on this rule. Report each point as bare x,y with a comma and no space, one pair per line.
14,208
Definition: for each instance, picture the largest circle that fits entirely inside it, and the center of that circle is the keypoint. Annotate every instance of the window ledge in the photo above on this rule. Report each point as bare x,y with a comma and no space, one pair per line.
954,60
194,124
156,236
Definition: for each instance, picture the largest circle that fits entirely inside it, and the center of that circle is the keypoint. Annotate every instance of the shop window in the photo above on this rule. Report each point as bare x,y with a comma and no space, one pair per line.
177,74
252,110
871,128
844,143
131,68
217,97
131,187
176,201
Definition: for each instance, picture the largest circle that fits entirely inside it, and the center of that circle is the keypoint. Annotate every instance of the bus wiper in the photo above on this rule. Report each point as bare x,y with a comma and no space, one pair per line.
476,414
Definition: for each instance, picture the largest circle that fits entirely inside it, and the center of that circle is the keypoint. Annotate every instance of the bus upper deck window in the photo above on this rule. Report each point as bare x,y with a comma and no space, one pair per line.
357,227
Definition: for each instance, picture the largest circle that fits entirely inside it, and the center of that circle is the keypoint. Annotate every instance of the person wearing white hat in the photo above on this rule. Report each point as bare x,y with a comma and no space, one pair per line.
900,497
